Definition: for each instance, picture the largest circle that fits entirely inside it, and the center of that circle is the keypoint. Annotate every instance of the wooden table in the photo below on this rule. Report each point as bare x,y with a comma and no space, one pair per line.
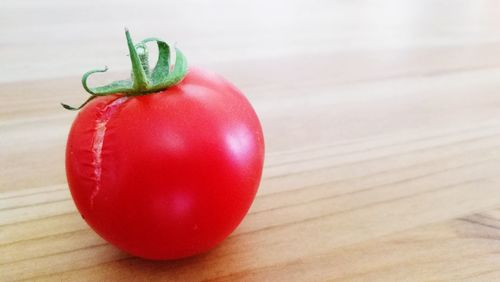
382,125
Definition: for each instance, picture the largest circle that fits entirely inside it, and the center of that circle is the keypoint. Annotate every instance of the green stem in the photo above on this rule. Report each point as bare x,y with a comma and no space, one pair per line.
143,80
139,77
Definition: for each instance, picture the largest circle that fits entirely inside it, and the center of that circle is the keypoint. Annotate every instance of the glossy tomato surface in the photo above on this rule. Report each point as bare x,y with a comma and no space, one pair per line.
170,174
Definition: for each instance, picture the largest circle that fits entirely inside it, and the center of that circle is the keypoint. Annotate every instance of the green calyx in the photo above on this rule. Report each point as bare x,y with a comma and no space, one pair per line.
143,80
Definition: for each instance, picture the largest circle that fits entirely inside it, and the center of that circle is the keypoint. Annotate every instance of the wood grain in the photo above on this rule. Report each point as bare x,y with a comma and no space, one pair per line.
382,125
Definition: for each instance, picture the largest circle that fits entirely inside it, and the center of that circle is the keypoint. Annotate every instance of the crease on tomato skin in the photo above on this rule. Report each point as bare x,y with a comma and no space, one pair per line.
102,120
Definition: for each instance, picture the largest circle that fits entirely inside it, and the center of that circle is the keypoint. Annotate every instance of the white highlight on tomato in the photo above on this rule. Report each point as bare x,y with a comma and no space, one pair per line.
238,141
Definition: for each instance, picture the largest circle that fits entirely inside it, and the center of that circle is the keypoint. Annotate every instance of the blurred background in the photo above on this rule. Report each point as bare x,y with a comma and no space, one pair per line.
55,38
350,94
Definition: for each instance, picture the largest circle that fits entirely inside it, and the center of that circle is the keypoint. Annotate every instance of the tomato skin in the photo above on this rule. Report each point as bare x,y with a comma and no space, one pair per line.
170,174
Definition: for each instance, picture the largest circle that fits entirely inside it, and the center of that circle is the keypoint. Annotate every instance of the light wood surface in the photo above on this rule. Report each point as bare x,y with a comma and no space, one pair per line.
382,125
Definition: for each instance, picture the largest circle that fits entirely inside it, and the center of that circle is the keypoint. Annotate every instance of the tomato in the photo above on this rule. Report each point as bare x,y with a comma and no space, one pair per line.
168,174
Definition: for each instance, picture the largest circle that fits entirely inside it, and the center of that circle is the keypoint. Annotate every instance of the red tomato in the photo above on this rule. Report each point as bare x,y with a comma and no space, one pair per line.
169,174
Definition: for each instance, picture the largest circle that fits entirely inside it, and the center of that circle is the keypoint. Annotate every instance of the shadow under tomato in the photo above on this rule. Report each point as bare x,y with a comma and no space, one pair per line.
216,262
